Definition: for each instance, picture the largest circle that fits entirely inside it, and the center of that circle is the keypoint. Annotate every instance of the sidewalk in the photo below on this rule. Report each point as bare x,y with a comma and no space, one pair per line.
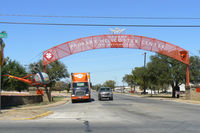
30,112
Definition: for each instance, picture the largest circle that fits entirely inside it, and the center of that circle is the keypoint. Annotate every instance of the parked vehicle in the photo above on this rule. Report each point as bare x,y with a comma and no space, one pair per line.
81,87
105,92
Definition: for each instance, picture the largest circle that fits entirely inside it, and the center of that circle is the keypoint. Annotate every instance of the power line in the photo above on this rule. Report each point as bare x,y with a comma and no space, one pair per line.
113,70
99,17
104,25
38,56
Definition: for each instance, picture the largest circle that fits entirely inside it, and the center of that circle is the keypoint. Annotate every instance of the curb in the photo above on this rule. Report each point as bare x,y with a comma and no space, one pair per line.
36,117
44,106
170,100
47,112
43,114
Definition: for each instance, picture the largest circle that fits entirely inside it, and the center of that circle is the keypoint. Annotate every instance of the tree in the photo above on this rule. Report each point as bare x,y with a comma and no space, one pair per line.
97,87
163,71
16,69
109,83
130,80
61,85
158,73
194,69
140,75
169,71
56,71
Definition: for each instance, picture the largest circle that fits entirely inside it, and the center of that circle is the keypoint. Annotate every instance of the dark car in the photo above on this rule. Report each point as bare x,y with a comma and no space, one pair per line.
105,92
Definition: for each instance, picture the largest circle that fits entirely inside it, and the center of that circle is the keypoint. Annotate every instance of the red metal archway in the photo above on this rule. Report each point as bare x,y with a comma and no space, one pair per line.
116,41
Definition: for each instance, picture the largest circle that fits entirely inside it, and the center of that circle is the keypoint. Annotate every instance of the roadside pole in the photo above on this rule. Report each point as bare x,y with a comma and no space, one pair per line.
1,41
3,34
145,56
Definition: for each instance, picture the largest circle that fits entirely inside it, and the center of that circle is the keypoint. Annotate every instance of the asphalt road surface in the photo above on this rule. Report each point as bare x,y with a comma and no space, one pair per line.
125,114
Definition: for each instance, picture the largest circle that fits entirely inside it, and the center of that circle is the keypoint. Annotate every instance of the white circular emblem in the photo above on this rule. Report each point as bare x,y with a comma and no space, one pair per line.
48,55
79,76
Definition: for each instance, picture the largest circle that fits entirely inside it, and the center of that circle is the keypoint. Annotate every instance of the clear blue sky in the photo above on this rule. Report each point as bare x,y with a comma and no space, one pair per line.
25,43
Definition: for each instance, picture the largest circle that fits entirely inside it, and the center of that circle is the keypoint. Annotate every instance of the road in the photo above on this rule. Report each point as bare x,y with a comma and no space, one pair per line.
125,114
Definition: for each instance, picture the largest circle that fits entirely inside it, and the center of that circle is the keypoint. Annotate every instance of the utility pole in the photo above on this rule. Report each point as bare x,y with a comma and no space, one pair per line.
1,42
3,34
145,54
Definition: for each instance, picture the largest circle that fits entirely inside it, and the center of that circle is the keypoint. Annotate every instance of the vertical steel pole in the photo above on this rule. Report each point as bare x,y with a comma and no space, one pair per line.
188,76
145,54
0,77
145,59
1,63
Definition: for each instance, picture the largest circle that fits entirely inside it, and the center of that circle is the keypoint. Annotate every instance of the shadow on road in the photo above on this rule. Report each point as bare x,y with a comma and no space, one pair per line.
85,101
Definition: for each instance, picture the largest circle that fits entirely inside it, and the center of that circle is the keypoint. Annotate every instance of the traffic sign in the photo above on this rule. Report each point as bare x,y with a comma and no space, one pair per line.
3,35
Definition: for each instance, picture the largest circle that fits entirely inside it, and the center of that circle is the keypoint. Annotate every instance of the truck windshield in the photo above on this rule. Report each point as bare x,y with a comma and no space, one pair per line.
86,90
80,84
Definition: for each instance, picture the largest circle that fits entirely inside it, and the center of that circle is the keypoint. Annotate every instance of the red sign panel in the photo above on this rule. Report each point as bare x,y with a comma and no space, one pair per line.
40,92
116,45
198,90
